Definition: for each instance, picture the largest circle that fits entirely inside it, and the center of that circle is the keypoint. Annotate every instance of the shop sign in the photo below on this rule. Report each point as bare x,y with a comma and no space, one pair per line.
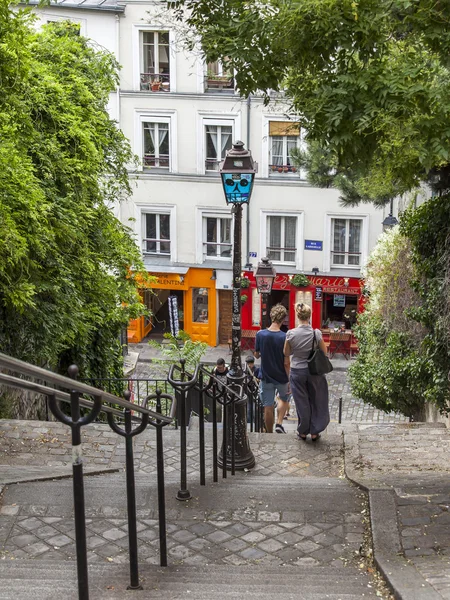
281,282
253,254
170,283
313,245
173,315
339,300
318,294
336,285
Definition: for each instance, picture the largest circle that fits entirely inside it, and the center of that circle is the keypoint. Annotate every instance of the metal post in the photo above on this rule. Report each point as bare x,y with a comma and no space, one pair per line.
183,493
161,491
201,431
214,418
340,410
264,312
78,492
131,503
243,456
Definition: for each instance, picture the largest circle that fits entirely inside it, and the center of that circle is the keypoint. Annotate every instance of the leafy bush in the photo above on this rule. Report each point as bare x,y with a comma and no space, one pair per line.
403,335
300,280
176,348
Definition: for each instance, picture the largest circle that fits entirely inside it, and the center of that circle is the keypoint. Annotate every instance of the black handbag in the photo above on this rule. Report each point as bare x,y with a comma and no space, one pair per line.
318,361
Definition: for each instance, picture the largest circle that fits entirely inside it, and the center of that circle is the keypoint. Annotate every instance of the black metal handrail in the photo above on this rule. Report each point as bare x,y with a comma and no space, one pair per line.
183,386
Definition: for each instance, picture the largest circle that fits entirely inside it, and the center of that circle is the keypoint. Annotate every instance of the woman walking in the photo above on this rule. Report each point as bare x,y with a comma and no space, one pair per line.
310,392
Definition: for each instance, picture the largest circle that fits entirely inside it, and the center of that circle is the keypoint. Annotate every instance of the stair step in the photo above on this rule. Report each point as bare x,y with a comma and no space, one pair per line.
38,580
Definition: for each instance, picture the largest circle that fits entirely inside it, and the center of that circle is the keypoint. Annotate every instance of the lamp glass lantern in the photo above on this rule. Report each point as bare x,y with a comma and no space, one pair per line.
264,276
238,174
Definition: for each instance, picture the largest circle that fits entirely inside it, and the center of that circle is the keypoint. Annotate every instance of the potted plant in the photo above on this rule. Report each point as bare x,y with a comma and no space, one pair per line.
300,280
245,282
156,85
244,298
280,169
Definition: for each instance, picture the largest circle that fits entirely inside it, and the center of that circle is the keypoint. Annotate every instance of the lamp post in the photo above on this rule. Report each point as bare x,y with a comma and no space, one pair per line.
238,175
264,275
390,221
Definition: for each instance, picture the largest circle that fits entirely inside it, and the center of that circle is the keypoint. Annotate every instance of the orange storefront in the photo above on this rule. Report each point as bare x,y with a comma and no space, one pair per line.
197,307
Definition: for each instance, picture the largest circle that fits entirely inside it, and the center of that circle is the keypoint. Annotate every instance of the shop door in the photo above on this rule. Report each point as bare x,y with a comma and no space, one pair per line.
225,315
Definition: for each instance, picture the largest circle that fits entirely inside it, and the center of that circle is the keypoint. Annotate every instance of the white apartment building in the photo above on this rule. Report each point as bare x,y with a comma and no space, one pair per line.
181,116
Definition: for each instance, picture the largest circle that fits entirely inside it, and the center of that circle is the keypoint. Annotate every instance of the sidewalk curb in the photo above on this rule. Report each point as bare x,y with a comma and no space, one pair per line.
403,578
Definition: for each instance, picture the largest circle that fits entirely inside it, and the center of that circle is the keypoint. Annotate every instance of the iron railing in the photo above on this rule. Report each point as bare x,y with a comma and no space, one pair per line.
169,397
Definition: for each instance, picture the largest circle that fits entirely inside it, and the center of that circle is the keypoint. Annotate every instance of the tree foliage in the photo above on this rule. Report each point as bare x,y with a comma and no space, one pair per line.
369,79
66,284
403,335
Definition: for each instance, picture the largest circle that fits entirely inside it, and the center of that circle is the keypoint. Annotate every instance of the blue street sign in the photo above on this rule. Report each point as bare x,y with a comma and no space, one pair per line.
313,245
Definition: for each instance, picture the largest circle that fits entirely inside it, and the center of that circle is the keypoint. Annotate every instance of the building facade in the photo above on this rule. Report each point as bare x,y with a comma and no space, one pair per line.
181,115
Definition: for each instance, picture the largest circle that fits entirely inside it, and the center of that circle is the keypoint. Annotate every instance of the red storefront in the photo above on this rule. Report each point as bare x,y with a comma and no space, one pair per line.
334,300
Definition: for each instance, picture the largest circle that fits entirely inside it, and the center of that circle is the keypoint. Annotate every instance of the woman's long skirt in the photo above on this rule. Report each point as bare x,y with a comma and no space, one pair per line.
310,393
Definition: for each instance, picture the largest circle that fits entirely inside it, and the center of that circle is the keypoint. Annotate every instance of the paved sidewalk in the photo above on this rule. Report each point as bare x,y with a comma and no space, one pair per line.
406,469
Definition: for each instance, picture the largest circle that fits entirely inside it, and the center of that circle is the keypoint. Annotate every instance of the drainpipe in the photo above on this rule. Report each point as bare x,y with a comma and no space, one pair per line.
118,60
248,265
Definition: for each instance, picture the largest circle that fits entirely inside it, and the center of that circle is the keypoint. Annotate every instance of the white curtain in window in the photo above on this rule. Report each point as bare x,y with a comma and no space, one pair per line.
162,135
225,140
211,135
339,235
289,232
277,151
354,243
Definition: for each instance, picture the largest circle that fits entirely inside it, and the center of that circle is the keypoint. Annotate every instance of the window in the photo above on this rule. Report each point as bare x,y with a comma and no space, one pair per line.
218,141
155,62
346,242
156,145
281,238
217,78
217,237
200,305
284,138
156,238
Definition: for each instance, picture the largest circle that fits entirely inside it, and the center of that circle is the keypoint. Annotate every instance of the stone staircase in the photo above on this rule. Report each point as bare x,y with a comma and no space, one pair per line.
292,528
43,580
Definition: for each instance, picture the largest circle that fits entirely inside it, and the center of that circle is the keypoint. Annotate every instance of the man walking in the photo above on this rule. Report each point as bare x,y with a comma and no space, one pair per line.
275,369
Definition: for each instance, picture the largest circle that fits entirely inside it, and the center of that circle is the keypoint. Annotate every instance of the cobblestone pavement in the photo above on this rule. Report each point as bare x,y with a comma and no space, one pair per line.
258,525
424,519
414,460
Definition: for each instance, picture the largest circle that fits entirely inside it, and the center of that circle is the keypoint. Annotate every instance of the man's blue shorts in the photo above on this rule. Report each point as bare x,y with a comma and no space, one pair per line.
267,392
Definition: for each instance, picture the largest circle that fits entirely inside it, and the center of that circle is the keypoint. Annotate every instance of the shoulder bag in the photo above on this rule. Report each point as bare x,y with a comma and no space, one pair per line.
318,361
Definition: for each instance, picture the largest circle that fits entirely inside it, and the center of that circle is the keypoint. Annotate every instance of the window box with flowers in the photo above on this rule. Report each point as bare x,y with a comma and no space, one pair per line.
300,280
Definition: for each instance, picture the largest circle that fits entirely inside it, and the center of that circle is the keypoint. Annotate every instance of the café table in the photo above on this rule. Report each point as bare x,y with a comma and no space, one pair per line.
340,343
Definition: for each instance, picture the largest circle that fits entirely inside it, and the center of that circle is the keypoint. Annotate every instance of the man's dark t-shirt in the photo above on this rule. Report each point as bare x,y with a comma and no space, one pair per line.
270,345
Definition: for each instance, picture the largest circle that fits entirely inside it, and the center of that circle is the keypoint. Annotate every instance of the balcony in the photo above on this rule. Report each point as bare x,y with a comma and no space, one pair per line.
155,82
219,83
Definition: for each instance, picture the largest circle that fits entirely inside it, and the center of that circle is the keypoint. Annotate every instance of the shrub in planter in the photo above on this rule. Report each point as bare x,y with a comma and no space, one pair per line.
300,280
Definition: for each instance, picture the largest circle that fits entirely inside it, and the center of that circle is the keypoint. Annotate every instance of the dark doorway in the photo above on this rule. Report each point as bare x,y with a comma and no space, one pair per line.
160,309
280,297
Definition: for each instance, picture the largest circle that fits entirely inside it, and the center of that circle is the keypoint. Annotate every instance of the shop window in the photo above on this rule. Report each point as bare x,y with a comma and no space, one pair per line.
200,305
217,237
284,138
346,242
156,145
218,141
281,238
339,311
156,239
155,62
